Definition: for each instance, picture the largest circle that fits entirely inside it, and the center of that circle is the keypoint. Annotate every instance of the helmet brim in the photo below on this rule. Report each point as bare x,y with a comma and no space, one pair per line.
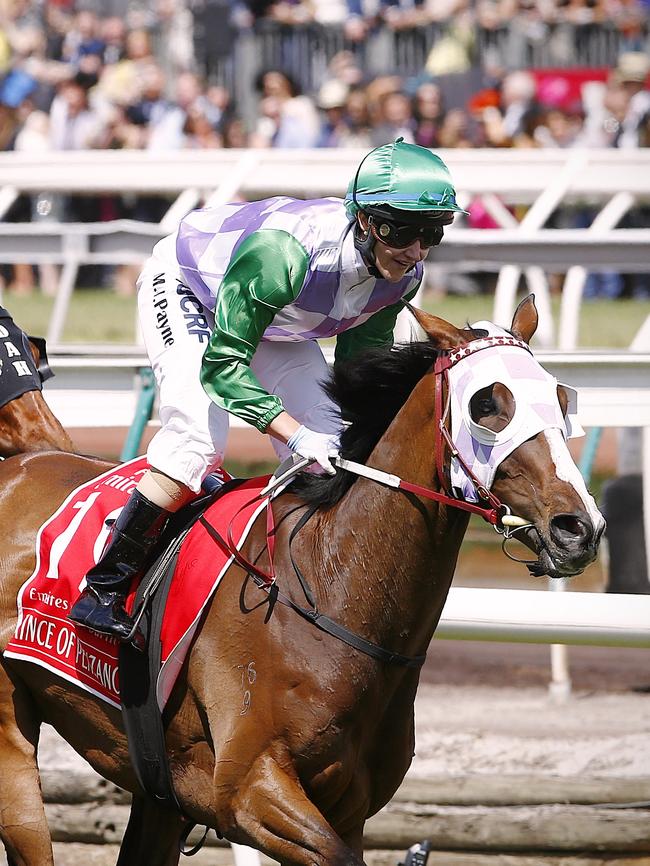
409,217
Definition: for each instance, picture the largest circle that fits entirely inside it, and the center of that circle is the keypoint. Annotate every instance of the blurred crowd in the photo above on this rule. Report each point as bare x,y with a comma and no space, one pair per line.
77,78
77,75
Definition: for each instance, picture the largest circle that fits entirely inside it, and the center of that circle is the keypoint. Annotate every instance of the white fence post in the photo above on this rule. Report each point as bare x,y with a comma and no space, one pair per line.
75,248
575,278
560,686
535,276
8,195
534,219
641,343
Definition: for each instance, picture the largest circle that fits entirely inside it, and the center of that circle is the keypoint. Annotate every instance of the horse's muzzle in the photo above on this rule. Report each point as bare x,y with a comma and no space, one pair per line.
570,545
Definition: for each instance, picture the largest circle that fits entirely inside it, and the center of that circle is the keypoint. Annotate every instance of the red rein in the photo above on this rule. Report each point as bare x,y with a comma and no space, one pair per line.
493,513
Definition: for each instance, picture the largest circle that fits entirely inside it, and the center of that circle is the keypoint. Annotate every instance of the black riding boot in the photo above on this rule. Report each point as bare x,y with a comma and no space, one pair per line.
101,605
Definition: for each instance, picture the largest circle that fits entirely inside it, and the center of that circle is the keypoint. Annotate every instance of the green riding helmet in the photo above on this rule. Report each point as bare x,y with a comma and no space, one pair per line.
403,181
400,185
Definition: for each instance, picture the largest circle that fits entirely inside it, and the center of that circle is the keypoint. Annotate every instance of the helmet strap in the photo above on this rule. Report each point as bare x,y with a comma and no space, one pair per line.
365,243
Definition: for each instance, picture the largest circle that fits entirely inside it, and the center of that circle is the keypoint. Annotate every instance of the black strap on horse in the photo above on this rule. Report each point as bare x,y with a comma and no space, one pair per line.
142,718
44,370
138,673
312,614
139,670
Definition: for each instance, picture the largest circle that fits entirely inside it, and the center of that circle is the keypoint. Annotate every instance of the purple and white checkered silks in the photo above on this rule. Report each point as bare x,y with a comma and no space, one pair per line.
536,408
337,293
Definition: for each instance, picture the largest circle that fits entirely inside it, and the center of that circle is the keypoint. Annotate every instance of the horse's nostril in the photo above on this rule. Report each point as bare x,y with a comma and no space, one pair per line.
571,529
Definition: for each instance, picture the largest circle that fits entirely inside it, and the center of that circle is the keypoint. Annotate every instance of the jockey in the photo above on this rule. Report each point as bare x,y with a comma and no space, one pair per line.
231,307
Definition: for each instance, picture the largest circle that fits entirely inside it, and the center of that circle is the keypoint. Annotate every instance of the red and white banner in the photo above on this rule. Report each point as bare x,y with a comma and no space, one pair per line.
72,540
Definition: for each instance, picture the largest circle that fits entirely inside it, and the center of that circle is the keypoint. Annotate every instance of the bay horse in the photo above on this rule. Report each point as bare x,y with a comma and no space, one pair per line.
26,421
328,732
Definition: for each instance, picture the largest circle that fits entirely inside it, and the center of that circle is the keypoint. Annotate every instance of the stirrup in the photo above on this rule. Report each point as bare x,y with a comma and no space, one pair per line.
135,637
134,634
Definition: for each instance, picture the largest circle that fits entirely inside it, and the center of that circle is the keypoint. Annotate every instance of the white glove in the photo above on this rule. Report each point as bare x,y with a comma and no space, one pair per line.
318,447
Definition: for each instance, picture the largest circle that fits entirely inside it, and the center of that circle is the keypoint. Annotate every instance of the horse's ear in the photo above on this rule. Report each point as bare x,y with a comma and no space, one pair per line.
443,334
524,321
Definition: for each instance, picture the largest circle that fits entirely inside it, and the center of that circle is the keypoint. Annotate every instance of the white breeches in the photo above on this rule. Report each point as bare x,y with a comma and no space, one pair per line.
192,439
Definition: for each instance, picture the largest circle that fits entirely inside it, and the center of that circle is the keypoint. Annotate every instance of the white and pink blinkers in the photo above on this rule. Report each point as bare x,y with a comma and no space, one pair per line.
500,358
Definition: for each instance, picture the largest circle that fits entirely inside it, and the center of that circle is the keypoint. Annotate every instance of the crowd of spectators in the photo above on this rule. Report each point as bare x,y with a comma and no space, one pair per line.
72,79
75,77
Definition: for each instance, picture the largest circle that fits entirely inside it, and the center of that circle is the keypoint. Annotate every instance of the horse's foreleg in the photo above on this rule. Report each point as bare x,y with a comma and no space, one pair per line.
273,814
152,835
23,827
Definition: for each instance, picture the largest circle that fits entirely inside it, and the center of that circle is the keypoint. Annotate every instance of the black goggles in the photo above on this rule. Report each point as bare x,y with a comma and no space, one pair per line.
400,236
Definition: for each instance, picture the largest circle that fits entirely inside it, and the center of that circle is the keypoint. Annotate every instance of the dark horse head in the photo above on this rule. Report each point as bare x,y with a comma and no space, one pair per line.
26,421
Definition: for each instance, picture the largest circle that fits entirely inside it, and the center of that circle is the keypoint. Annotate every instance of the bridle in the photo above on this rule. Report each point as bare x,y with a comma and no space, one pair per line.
498,514
495,512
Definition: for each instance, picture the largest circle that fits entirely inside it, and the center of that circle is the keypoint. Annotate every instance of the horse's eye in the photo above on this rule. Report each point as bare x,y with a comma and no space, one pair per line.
483,404
486,406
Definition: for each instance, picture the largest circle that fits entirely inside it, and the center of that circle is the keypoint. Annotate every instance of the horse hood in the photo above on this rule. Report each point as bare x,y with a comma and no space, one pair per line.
537,407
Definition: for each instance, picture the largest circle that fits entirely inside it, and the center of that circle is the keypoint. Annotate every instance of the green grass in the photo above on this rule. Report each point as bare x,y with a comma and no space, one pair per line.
100,316
94,316
239,469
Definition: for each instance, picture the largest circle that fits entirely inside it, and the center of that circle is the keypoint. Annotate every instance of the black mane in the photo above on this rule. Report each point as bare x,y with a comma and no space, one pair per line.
370,390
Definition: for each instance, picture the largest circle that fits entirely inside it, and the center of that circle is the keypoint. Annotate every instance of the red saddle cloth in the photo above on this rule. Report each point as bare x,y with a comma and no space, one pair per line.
72,540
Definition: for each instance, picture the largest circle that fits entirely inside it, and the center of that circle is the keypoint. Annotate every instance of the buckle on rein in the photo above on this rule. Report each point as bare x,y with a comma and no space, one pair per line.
507,525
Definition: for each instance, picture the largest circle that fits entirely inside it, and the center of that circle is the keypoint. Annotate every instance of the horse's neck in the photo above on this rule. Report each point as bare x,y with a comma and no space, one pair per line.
27,424
391,555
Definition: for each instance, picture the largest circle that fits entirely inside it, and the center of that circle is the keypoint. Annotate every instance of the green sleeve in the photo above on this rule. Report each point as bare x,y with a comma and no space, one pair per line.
266,274
375,331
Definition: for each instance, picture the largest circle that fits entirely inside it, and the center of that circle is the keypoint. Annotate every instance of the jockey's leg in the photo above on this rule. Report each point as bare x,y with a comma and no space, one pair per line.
193,433
127,555
189,445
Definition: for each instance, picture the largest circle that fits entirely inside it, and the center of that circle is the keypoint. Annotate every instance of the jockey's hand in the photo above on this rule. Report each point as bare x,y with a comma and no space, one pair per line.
318,447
